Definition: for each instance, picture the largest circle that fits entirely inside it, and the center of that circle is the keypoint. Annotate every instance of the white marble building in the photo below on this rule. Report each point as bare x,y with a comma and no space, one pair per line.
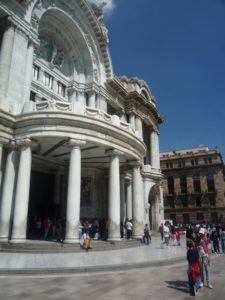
75,140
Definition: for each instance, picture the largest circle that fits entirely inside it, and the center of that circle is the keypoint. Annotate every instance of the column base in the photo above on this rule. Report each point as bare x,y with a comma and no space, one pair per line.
18,241
4,240
114,239
71,241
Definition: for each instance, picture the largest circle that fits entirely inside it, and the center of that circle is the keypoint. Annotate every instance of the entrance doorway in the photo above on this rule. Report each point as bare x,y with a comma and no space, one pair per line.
41,202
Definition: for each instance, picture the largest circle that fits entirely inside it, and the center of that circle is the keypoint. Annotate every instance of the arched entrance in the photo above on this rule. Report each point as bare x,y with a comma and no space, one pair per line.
153,206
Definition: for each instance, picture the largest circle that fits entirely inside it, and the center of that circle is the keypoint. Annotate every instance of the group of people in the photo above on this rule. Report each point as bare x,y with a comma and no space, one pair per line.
170,235
198,257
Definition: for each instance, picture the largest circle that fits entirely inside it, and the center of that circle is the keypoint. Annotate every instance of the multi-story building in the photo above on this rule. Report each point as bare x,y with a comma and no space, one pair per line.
193,185
76,141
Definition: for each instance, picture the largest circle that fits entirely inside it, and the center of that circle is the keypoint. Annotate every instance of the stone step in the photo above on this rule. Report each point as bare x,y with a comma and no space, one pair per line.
54,247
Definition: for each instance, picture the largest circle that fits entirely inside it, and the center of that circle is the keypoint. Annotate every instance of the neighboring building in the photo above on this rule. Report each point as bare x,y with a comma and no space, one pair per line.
193,185
75,140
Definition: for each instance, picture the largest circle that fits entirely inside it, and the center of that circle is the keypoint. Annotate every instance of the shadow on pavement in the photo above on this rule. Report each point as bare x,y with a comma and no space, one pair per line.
179,285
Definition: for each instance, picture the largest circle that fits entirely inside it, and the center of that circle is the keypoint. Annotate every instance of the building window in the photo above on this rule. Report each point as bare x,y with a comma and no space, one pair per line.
36,71
210,182
186,218
173,217
32,96
208,160
87,99
198,201
48,80
169,165
183,184
214,217
170,182
212,201
61,89
181,164
194,162
196,183
199,217
185,202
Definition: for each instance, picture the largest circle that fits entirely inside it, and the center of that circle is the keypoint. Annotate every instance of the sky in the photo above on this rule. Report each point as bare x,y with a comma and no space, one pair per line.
178,48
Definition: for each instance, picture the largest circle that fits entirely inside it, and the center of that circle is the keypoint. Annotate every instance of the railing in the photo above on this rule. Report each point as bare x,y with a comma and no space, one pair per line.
76,108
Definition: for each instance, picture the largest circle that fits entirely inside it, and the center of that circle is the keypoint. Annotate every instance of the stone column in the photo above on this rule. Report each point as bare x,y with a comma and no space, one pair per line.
92,99
3,141
73,194
138,123
138,205
5,59
122,199
7,192
129,199
22,192
157,154
153,147
28,72
57,192
132,120
114,196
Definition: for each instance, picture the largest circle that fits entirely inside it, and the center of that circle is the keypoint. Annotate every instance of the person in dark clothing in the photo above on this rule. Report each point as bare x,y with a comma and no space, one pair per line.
193,268
214,237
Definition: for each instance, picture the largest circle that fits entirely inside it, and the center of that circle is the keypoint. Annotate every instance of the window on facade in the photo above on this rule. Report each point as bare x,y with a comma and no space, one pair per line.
208,160
186,218
61,89
172,202
196,183
36,71
198,201
214,217
199,217
185,202
210,182
169,165
181,164
170,182
48,80
173,217
87,99
194,162
212,201
96,100
32,96
183,184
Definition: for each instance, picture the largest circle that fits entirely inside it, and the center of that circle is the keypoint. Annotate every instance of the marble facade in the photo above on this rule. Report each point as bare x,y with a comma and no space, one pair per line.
66,117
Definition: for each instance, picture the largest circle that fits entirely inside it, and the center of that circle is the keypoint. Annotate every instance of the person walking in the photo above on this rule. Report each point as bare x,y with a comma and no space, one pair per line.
193,268
129,227
222,238
166,234
204,255
146,236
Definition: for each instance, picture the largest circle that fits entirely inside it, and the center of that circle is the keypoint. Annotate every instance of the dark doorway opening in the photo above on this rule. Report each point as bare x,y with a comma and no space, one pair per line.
41,202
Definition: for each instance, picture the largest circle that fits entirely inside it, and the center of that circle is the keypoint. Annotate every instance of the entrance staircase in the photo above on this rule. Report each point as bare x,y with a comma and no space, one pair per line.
40,246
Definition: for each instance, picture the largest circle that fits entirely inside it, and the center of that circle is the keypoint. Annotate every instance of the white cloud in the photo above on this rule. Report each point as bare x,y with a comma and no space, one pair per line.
108,8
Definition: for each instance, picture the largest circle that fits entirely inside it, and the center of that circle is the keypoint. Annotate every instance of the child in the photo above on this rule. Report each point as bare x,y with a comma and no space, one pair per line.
193,268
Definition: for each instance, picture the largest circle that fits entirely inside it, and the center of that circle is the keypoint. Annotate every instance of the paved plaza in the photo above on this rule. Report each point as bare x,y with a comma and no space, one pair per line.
145,272
154,283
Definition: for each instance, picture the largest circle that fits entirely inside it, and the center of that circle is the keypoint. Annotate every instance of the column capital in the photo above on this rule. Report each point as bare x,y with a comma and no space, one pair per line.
73,143
136,163
26,142
114,152
22,29
4,141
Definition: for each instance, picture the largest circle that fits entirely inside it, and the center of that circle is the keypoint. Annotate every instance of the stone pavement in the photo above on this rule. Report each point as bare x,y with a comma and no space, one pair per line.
151,283
121,259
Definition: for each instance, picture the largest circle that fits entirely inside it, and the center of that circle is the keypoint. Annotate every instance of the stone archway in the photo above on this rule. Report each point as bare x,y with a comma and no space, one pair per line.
153,202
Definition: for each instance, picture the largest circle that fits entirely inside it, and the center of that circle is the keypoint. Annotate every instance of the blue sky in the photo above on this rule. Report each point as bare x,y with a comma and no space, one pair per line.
178,48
